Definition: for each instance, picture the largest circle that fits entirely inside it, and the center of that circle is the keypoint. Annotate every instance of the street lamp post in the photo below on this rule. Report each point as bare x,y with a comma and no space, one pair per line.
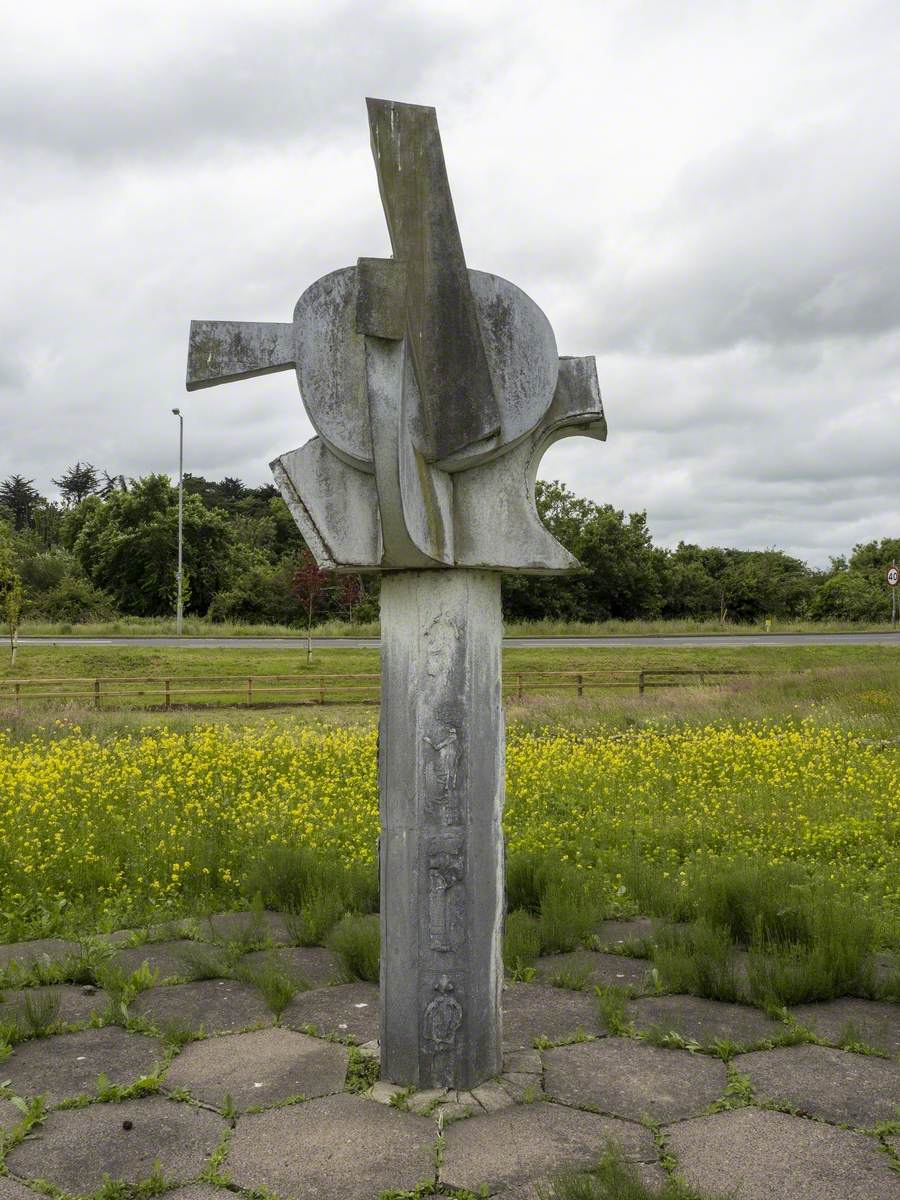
179,611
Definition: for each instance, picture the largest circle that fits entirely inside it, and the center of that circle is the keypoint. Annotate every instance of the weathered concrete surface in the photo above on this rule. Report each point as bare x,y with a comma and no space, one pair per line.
214,1005
617,933
259,1068
532,1011
74,1004
755,1155
347,1011
237,926
221,351
339,1148
313,964
854,1089
631,1079
874,1023
170,960
525,1145
704,1021
607,970
457,392
77,1148
40,950
11,1190
68,1064
441,776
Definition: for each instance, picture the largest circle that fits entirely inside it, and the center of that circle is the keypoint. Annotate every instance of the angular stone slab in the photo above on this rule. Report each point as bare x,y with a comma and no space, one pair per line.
201,1191
317,966
68,1064
631,1079
11,1190
76,1004
259,1068
232,926
751,1154
337,1148
607,970
876,1024
531,1010
703,1021
347,1011
853,1089
74,1149
523,1146
44,949
618,933
170,960
215,1005
9,1115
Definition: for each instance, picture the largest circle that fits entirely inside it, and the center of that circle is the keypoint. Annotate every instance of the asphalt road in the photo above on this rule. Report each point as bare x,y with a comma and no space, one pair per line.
256,643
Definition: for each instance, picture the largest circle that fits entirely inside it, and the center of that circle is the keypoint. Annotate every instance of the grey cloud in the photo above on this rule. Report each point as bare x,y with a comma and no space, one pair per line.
226,77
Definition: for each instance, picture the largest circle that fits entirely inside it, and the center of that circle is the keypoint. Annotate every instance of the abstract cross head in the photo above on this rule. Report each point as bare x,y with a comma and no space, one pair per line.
434,389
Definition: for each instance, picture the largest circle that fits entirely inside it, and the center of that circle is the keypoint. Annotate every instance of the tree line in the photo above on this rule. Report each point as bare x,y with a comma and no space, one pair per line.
107,548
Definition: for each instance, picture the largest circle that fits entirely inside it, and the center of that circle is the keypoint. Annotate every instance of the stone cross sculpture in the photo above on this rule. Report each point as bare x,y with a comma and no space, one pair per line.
434,390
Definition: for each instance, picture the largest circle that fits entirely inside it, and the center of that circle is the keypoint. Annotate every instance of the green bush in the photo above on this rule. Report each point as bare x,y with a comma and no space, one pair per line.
357,943
521,942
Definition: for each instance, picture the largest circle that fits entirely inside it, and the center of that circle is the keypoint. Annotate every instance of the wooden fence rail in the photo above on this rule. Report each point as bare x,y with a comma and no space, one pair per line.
251,691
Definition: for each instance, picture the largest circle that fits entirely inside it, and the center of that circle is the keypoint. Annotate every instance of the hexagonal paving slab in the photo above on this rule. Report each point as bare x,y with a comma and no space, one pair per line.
73,1004
233,926
215,1005
631,1079
704,1021
259,1068
522,1146
170,960
200,1191
609,970
11,1190
348,1010
68,1064
751,1154
531,1010
855,1089
876,1024
611,933
41,950
314,964
75,1148
338,1148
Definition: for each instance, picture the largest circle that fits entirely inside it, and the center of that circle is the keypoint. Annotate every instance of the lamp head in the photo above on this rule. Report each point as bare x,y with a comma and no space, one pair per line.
177,412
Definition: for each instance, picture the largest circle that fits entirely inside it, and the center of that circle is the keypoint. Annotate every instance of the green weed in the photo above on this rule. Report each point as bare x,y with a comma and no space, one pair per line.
356,941
521,943
699,959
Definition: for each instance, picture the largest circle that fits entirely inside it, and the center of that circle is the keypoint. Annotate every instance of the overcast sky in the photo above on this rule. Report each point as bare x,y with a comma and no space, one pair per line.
705,195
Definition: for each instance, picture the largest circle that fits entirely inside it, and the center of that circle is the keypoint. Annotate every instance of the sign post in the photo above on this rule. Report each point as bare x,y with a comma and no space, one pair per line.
893,576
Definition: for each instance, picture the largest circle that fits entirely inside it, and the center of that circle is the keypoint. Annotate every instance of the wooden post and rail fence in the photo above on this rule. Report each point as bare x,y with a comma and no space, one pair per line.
267,691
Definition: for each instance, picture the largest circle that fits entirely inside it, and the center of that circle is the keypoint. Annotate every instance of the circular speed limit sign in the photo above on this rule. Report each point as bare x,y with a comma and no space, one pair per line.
893,576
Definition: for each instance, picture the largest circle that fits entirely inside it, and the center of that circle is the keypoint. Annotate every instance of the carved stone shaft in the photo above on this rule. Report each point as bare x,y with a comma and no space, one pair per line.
441,779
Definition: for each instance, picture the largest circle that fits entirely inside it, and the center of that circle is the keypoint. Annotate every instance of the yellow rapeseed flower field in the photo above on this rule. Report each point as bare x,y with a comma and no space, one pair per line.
122,828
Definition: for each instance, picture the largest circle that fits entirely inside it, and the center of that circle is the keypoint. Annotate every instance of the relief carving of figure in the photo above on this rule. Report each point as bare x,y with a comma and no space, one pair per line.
441,773
446,871
441,637
443,1017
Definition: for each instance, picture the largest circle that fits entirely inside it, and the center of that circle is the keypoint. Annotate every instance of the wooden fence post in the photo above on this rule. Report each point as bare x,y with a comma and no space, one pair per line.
96,693
249,691
641,683
168,693
519,692
580,685
321,689
18,697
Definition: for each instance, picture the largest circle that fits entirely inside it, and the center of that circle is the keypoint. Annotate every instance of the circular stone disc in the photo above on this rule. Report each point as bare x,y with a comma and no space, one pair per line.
331,370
